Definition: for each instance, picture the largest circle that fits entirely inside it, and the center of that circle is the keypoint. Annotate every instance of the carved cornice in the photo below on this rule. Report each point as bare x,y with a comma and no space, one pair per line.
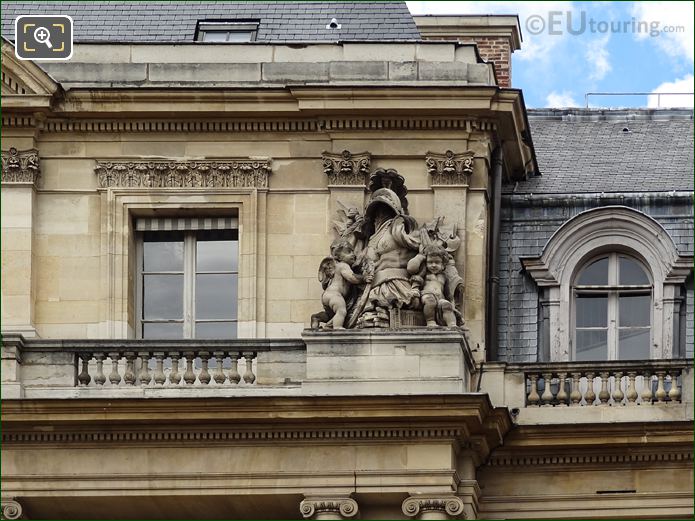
20,166
345,507
449,168
416,505
554,460
347,168
219,173
11,509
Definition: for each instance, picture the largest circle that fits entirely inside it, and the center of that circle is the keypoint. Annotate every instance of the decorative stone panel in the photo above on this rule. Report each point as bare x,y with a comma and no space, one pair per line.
449,168
20,166
347,168
221,173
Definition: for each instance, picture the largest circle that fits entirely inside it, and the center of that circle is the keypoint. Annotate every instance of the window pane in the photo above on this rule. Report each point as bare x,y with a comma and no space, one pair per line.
240,36
635,310
215,296
217,255
592,310
163,255
214,36
631,273
634,344
592,344
215,329
162,296
595,273
162,330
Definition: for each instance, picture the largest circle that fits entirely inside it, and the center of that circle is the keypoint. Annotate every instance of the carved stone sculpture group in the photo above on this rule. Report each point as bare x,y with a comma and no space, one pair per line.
385,270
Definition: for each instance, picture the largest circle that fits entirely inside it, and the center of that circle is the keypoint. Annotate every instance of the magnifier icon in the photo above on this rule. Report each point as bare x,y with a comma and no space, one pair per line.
42,35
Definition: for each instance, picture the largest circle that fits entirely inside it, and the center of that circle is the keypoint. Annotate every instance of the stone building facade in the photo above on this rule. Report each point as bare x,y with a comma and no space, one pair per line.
169,195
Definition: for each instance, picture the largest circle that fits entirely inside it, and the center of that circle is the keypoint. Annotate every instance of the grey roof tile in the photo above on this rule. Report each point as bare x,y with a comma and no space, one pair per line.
176,21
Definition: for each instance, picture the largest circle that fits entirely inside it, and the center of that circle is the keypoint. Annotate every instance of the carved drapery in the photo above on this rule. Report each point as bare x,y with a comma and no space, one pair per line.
449,168
221,173
346,168
433,507
11,509
20,166
328,508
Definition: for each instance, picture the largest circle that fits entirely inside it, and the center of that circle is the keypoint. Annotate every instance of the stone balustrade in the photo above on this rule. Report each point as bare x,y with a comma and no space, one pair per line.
617,383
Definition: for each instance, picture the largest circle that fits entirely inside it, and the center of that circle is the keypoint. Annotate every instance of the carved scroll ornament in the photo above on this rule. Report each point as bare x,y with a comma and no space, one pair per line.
449,168
346,168
452,506
231,173
20,166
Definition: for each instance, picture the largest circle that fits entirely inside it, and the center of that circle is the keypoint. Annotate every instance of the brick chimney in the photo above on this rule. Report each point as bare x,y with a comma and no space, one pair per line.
497,37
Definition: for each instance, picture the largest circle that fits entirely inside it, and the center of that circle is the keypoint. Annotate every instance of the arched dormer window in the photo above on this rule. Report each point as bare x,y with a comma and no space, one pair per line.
612,304
625,257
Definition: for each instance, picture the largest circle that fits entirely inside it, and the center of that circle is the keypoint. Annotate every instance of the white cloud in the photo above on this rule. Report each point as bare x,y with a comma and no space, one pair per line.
597,57
672,15
559,100
682,85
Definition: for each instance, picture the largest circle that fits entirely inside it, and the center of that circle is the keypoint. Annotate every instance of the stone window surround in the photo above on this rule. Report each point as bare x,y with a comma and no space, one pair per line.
601,230
119,208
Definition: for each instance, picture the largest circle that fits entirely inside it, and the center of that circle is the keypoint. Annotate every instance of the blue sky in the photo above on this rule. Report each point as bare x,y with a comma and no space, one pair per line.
557,70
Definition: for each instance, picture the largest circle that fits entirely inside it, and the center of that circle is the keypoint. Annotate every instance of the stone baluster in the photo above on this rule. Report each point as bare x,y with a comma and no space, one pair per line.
647,388
145,377
590,395
11,509
84,377
204,375
618,391
219,375
603,394
189,375
174,375
100,378
249,377
234,376
159,376
129,376
433,507
547,395
328,508
660,391
575,394
561,392
631,394
114,377
533,398
674,394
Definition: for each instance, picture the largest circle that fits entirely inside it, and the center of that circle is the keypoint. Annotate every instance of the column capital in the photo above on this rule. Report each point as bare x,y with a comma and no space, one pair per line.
11,509
328,507
420,505
20,167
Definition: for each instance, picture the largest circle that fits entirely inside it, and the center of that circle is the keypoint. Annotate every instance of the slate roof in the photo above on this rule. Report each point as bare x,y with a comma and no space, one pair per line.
577,155
175,21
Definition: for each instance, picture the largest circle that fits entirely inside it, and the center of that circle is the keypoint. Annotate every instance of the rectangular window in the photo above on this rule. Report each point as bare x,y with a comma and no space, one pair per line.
237,31
187,278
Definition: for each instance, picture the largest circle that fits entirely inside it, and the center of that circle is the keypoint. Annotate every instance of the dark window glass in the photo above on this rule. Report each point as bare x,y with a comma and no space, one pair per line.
595,273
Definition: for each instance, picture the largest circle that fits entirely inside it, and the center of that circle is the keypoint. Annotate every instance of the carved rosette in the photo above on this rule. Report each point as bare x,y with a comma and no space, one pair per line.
230,173
416,506
20,166
318,508
11,509
347,168
449,168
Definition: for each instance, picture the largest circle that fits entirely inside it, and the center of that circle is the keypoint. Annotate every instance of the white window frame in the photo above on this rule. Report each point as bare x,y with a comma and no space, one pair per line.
599,231
248,28
189,291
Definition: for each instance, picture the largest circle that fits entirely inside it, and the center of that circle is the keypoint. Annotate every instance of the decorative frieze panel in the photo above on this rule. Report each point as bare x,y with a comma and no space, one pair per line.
445,506
229,173
20,166
346,168
449,168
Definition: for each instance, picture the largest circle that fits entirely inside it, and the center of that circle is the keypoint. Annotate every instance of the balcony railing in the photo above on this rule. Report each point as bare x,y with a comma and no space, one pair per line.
626,383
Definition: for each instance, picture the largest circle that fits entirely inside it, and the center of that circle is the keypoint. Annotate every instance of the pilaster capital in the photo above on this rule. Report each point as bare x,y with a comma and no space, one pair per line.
346,168
20,166
418,506
328,508
449,168
11,509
